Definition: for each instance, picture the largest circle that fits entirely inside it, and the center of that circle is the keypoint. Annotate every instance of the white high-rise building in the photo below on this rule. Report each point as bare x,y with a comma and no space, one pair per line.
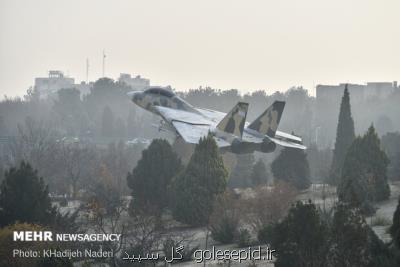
54,82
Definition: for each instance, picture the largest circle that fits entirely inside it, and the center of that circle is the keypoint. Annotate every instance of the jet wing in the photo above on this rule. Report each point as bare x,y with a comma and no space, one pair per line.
192,133
170,115
215,116
190,126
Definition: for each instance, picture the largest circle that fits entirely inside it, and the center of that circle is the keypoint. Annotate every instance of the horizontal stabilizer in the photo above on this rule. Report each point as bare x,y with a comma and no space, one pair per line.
267,123
288,143
233,122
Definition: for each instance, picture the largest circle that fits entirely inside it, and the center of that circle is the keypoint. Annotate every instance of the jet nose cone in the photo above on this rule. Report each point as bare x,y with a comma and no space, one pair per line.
131,94
135,96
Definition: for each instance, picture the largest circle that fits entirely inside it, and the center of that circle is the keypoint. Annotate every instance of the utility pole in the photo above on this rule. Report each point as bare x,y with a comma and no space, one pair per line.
104,62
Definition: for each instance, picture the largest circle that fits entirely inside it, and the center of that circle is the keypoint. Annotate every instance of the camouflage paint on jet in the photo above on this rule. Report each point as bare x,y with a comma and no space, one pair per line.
267,123
234,121
157,96
229,130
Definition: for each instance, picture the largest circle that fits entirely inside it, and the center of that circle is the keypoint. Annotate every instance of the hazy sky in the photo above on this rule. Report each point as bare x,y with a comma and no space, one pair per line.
225,44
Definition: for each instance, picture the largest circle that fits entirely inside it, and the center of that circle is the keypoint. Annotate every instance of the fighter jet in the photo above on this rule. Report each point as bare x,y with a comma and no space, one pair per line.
230,130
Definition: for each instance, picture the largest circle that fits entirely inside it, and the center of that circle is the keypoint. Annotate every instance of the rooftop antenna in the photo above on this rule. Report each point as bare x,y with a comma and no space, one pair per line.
87,70
104,61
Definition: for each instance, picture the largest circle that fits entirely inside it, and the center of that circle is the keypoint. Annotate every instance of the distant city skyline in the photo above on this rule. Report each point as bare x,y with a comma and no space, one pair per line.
252,45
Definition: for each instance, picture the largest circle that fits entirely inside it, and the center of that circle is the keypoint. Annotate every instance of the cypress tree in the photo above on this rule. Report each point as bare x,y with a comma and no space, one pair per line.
196,188
344,137
151,177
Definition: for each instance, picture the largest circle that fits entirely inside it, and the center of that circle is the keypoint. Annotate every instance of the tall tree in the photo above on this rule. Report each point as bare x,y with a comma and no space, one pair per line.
375,163
349,238
150,179
301,238
353,243
364,177
25,198
353,187
344,137
292,167
196,188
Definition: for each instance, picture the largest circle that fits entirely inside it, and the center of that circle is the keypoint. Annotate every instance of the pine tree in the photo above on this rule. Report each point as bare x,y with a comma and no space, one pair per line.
25,198
195,190
353,243
259,175
292,167
375,163
344,137
353,186
364,178
151,177
301,238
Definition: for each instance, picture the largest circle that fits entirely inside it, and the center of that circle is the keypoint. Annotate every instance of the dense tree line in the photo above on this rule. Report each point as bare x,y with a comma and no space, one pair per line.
303,238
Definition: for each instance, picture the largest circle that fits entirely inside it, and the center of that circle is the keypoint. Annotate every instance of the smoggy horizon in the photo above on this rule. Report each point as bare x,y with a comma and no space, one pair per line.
226,44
